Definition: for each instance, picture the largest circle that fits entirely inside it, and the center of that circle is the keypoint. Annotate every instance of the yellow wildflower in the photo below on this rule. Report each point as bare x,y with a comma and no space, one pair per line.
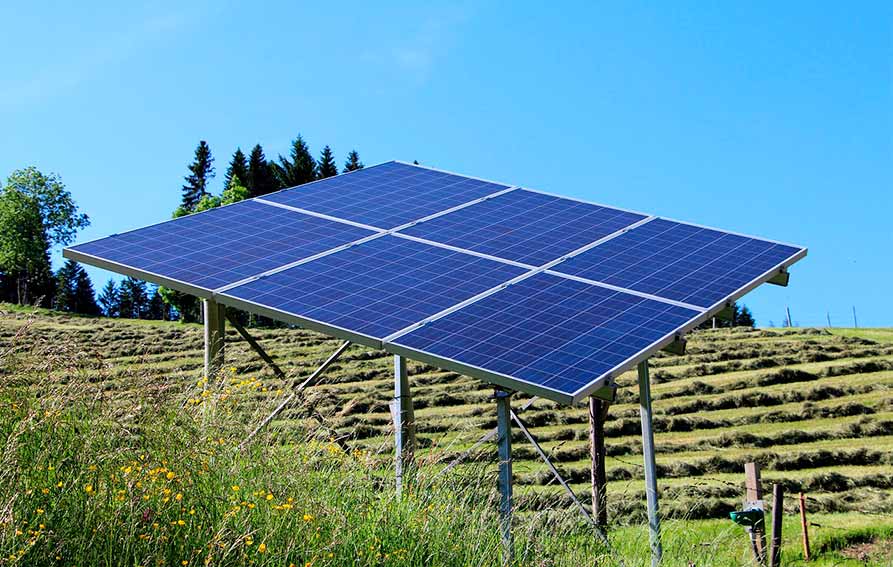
262,548
89,489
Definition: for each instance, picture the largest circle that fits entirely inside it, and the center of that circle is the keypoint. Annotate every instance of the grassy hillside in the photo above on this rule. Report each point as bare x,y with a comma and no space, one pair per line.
813,407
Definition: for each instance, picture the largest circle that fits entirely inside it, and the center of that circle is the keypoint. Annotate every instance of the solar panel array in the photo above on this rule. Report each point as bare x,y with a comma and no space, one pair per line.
543,294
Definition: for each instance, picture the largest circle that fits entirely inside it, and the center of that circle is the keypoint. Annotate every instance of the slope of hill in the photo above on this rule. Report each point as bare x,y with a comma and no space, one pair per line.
813,407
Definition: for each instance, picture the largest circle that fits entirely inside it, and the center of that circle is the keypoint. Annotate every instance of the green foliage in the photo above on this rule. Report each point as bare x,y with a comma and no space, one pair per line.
353,162
326,167
58,211
201,171
261,174
238,167
36,212
74,290
133,299
187,306
234,191
298,168
127,460
110,300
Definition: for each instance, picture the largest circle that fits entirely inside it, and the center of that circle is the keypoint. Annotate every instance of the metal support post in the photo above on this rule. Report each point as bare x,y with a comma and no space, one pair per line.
215,331
504,441
650,465
404,422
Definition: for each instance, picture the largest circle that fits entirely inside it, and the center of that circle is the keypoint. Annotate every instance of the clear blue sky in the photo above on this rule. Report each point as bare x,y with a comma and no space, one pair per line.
773,119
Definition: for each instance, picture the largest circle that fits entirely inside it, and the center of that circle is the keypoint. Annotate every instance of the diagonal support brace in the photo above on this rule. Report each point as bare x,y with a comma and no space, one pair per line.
485,438
309,381
256,346
598,531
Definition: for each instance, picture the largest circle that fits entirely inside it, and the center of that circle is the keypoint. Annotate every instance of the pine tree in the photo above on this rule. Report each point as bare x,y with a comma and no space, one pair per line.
84,296
238,167
157,309
109,300
353,162
745,318
134,299
201,171
261,179
326,167
298,168
66,279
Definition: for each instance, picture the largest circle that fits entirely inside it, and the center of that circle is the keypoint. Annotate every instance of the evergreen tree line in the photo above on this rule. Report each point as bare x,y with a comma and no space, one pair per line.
255,175
37,212
247,177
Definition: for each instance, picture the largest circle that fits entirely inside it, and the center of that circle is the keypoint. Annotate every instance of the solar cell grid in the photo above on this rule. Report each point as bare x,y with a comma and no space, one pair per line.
679,261
378,287
223,245
387,195
550,331
525,226
545,334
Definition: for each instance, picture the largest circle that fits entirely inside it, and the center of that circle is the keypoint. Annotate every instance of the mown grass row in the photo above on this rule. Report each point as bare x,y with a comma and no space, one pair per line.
738,394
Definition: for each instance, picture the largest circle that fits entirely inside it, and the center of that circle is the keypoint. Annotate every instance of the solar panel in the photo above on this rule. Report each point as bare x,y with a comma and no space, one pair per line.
547,335
525,226
373,289
535,292
680,261
208,250
387,195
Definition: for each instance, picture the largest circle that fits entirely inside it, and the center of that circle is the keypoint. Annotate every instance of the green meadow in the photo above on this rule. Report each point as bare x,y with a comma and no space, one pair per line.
117,451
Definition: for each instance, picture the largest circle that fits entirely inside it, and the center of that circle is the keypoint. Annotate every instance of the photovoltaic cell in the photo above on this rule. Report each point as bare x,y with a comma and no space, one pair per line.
378,287
387,195
223,245
525,226
550,331
679,261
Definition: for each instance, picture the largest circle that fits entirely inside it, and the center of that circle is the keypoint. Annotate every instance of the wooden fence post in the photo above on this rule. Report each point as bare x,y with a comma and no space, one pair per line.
777,512
754,493
598,410
803,526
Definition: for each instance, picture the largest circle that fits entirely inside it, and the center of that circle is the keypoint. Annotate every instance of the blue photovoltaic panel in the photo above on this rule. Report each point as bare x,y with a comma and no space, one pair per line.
679,261
387,195
550,332
525,226
223,245
378,287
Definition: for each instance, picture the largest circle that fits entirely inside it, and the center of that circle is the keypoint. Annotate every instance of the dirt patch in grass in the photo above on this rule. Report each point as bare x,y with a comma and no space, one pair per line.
876,552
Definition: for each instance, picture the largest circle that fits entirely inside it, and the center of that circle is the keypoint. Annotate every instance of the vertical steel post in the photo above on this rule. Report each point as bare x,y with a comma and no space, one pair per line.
404,422
650,465
215,331
504,441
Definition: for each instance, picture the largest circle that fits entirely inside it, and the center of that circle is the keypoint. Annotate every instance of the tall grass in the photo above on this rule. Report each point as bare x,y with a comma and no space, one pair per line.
89,477
152,475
